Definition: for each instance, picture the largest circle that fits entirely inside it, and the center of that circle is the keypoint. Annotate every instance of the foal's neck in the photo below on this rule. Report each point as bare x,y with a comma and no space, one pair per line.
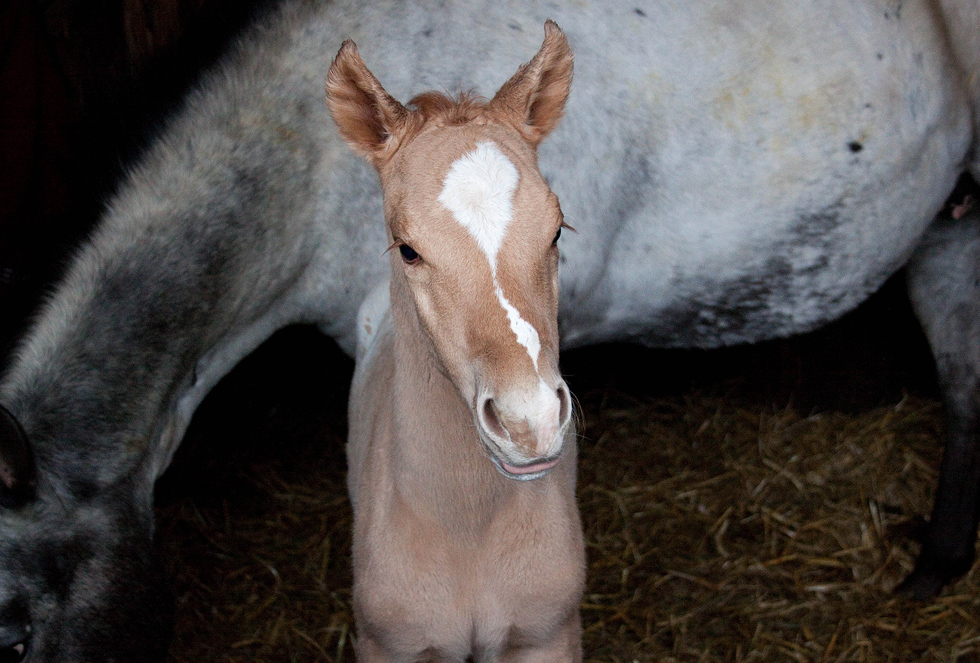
443,467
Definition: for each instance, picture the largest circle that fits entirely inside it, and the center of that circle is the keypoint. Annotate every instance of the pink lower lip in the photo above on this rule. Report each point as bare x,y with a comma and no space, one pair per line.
530,469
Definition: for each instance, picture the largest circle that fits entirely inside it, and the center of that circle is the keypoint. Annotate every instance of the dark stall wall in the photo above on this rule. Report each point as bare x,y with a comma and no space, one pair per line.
38,103
83,83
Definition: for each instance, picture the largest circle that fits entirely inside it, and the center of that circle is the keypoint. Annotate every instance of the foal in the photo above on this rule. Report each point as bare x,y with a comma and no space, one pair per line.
467,540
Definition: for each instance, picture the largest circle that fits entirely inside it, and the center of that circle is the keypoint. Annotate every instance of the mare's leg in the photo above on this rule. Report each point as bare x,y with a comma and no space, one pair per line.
944,285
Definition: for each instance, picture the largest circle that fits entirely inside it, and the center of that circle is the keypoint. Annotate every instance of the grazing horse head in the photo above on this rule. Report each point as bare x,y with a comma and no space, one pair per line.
473,228
79,577
81,584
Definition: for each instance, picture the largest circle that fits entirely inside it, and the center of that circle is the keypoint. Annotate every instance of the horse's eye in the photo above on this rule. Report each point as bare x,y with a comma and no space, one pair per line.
557,235
408,254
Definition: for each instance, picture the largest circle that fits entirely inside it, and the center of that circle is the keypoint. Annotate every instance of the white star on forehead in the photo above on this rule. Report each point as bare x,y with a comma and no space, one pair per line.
479,191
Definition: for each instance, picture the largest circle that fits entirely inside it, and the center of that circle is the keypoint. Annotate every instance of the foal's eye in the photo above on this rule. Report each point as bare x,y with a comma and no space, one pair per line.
408,254
557,235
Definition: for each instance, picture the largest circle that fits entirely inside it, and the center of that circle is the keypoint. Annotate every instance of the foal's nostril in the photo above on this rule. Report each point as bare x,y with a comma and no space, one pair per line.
491,420
564,405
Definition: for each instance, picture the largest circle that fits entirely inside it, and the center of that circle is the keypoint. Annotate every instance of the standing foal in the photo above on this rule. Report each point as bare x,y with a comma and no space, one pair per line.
467,540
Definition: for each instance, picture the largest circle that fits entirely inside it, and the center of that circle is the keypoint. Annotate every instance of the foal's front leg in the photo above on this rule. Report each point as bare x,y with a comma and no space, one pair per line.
944,285
369,650
564,647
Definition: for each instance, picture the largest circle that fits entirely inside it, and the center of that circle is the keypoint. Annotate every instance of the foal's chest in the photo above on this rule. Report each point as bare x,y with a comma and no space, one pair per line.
423,589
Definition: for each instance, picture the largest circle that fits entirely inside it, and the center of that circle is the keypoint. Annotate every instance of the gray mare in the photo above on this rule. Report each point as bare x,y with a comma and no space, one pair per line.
736,171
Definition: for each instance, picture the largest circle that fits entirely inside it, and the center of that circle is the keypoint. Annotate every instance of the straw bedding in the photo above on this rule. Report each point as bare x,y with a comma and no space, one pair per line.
724,521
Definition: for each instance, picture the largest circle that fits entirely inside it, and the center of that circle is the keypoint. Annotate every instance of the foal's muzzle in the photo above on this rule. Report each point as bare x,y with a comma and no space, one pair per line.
524,430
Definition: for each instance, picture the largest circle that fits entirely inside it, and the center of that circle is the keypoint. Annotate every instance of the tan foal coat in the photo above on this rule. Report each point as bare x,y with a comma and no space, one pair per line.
467,539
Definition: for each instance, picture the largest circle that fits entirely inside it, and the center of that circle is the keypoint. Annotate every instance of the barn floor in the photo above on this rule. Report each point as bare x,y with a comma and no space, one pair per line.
754,504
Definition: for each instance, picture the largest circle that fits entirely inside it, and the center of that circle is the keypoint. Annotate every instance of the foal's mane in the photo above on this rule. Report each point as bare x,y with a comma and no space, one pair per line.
449,111
436,109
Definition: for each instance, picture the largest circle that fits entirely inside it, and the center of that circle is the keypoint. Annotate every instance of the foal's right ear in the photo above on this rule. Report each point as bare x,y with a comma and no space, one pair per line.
533,100
17,470
369,118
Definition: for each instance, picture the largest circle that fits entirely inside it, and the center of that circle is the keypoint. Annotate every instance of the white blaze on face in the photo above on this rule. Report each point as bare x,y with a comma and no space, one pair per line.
479,191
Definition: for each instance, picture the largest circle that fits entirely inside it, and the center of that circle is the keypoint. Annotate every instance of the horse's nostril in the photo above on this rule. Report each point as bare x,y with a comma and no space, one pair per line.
15,631
491,420
14,653
564,404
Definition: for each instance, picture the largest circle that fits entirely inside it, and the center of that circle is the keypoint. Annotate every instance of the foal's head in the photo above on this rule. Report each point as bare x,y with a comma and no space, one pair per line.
474,230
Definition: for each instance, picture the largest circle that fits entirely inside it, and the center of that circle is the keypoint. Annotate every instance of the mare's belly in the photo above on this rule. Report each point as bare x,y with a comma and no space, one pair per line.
755,184
746,297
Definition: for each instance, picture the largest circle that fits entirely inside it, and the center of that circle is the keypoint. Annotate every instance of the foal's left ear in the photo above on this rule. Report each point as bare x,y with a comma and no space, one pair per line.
369,118
534,98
